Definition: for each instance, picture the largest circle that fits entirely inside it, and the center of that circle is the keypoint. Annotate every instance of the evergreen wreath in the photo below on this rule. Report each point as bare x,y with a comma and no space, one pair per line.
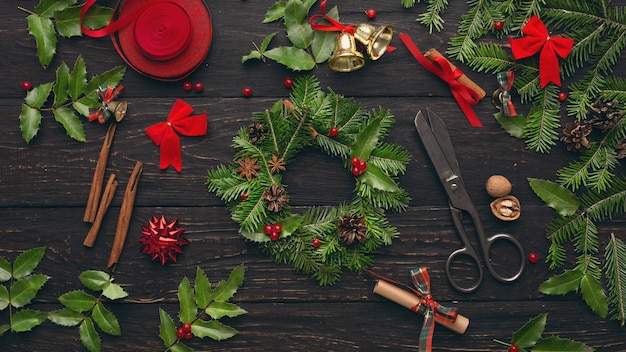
323,240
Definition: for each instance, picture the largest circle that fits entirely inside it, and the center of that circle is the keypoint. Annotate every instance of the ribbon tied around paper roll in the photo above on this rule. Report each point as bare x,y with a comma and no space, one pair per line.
538,40
464,95
164,134
501,98
162,39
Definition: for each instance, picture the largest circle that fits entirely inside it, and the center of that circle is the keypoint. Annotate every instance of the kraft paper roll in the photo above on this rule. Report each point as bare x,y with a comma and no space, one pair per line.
409,300
431,54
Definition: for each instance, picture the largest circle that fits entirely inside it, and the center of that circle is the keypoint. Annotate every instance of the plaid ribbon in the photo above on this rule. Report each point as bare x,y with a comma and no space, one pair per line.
505,80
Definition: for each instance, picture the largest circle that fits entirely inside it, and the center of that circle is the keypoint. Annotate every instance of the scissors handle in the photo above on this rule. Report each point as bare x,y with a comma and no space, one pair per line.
465,252
486,251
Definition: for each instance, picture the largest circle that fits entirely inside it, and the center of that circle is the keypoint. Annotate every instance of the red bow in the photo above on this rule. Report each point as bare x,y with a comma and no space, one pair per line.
163,134
538,39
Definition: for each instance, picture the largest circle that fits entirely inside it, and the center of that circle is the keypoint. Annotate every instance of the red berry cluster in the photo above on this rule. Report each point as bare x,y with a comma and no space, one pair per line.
188,87
273,230
184,332
358,166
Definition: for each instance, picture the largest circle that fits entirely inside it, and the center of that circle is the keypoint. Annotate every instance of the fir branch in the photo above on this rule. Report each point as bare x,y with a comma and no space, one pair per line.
615,269
471,27
432,17
543,120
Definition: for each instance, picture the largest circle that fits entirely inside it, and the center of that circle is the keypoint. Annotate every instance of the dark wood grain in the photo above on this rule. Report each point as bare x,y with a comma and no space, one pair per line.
44,187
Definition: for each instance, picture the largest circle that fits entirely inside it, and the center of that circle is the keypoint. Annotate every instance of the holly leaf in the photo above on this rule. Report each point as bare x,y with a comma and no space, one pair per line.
593,294
66,317
213,329
366,140
106,320
323,42
83,105
513,125
89,336
61,85
23,291
557,344
78,79
39,95
26,262
294,58
42,29
218,310
112,78
298,29
48,8
528,335
114,291
71,123
5,270
188,309
26,319
95,280
4,328
555,196
180,347
4,297
275,12
377,179
562,284
68,20
78,300
30,119
202,288
226,289
258,54
167,329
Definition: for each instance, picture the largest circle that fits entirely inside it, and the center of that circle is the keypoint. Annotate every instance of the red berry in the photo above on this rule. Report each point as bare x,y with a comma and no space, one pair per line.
244,196
26,85
247,92
355,161
274,236
316,243
371,14
333,131
180,333
533,258
498,25
198,87
188,335
277,228
288,82
186,327
187,86
268,229
362,165
562,96
513,348
356,171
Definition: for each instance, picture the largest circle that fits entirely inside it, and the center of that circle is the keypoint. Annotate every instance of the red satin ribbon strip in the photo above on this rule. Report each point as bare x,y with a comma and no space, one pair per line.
334,25
164,134
464,96
538,40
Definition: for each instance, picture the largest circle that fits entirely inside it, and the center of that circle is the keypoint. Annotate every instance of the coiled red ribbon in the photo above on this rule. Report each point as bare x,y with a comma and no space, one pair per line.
465,96
163,134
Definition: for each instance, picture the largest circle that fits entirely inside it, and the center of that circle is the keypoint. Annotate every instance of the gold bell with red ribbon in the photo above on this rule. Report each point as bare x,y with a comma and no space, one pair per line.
118,109
376,39
346,57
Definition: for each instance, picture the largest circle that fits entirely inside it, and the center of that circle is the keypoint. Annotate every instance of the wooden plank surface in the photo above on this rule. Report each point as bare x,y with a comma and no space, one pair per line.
44,187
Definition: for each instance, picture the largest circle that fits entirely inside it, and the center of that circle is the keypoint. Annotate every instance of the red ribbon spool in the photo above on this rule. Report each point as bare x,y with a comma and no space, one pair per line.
162,39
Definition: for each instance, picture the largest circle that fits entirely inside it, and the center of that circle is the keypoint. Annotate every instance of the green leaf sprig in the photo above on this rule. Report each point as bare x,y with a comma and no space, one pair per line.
83,309
199,302
529,338
70,89
18,287
63,17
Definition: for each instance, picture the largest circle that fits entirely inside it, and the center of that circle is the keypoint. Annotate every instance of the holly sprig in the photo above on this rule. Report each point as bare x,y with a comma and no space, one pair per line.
62,17
529,338
577,224
70,89
83,309
308,46
198,302
19,287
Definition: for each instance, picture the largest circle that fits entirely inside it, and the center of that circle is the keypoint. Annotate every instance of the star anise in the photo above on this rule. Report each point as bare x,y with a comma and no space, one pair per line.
575,136
256,132
351,228
275,198
247,168
277,165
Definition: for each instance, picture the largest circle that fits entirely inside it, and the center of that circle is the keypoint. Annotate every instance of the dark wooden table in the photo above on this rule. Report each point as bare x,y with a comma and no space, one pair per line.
44,187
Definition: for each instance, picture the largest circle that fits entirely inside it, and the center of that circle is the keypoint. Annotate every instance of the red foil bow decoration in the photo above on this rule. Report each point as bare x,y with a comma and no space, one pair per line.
164,134
105,94
538,39
162,240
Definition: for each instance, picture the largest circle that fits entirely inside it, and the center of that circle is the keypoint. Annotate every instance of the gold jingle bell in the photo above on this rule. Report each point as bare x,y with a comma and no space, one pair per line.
346,57
118,108
376,39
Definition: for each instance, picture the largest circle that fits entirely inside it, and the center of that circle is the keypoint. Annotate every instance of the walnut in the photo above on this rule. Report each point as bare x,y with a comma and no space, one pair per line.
498,186
506,208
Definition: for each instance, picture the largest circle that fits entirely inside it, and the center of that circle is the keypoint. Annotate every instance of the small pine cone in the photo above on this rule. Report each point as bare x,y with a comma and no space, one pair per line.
256,132
621,149
604,115
351,229
275,198
575,136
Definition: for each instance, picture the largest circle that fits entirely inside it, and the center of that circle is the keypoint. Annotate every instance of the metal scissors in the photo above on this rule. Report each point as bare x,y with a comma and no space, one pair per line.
436,140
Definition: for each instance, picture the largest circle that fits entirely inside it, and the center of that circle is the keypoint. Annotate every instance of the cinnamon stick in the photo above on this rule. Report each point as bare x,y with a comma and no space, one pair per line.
126,212
107,197
431,54
98,176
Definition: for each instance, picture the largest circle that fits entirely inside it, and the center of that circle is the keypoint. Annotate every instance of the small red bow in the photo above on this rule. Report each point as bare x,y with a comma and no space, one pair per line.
105,94
538,39
163,134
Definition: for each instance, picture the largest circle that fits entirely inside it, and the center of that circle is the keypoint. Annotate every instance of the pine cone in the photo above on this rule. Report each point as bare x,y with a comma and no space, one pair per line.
575,136
275,198
256,132
621,149
351,228
604,115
